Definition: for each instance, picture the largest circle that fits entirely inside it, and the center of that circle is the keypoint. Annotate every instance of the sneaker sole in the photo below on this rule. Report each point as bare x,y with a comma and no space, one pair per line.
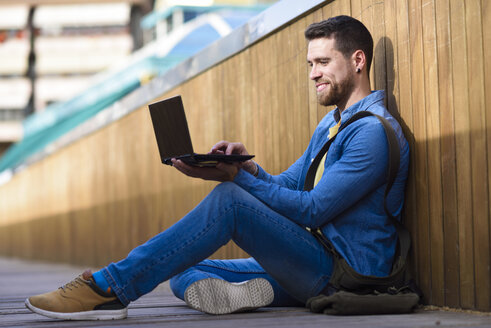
217,296
85,315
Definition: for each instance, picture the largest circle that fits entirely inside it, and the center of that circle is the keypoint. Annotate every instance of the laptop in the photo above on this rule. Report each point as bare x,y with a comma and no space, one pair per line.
173,139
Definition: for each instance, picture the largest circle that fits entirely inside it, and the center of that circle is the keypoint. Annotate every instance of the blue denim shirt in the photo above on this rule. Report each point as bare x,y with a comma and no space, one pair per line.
348,202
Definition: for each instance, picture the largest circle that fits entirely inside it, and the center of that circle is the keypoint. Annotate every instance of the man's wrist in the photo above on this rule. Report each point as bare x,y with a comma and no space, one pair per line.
256,169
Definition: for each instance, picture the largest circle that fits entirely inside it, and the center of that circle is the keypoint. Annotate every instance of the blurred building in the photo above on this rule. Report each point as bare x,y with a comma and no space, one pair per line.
50,49
171,14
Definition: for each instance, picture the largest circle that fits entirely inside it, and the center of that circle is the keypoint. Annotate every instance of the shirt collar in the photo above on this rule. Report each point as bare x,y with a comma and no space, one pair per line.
373,98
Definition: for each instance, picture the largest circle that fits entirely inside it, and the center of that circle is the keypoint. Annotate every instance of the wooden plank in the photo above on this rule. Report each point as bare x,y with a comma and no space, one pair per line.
301,102
103,242
256,84
278,118
403,77
312,104
378,30
462,143
345,7
356,9
486,26
246,103
367,19
390,43
228,99
448,155
256,99
141,208
479,158
318,111
265,82
420,150
148,186
339,7
287,107
268,107
119,209
434,154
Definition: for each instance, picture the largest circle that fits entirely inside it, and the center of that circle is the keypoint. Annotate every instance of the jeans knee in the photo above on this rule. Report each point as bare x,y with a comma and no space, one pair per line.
175,284
226,187
229,190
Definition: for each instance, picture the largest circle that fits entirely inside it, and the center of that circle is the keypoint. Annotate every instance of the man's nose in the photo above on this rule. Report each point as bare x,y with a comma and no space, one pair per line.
314,73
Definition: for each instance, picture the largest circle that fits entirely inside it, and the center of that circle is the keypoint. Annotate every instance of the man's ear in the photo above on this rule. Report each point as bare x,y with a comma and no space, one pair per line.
359,60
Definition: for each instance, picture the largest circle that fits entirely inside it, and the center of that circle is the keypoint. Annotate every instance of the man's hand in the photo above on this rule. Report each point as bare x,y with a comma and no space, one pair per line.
225,147
221,172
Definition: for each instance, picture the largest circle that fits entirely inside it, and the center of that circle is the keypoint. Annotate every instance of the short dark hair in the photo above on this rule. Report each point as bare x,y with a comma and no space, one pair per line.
349,33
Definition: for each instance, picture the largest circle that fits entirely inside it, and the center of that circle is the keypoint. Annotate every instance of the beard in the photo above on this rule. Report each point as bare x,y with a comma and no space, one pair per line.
337,93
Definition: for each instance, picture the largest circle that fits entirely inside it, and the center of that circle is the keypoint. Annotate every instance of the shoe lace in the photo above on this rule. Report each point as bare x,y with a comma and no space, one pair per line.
75,283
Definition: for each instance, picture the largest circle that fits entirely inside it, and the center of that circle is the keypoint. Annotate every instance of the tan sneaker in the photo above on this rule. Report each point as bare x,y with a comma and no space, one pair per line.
80,299
218,296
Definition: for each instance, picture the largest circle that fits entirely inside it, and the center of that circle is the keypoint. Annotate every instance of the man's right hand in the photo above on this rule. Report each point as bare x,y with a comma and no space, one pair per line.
228,148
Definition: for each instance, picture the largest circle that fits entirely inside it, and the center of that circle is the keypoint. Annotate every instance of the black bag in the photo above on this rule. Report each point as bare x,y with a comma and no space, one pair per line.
346,303
349,292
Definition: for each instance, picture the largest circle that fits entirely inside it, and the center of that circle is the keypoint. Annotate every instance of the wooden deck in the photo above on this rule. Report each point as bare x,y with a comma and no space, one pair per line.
20,279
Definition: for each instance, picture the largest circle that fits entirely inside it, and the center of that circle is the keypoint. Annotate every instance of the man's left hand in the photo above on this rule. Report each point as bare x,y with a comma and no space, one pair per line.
221,172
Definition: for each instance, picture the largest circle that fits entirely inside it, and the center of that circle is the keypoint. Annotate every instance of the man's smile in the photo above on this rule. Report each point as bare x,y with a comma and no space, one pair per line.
321,86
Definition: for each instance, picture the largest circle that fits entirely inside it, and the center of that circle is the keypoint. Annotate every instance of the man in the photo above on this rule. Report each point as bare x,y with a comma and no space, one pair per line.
267,215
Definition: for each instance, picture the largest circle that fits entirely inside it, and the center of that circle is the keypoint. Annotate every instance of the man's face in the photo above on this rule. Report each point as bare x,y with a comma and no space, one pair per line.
331,72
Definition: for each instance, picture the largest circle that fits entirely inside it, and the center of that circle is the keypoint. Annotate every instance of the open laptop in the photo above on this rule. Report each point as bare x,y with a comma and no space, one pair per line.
173,139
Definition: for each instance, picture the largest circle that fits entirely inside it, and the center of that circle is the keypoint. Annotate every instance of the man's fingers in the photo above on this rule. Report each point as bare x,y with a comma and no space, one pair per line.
186,169
236,148
216,152
228,171
183,168
220,146
219,173
230,148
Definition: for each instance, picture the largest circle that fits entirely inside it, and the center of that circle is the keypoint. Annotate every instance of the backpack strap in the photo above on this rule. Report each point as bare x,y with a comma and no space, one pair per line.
393,167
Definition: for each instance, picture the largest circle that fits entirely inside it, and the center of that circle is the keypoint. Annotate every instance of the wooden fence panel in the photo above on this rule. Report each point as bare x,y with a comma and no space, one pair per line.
462,137
434,154
486,26
94,200
448,155
479,159
420,150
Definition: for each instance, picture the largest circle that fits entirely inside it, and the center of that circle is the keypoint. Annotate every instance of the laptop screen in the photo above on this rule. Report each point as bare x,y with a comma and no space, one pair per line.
171,128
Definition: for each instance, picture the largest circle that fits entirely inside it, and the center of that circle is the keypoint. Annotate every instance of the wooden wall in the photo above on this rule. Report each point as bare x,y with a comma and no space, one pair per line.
94,200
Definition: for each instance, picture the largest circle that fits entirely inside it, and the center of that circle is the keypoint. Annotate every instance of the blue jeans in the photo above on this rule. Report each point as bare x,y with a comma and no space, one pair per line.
283,252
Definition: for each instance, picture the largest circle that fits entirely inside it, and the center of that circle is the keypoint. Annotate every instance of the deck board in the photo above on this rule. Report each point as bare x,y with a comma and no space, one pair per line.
20,279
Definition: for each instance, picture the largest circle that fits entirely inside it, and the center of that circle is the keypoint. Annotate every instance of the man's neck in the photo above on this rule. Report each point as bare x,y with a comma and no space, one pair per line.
357,95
